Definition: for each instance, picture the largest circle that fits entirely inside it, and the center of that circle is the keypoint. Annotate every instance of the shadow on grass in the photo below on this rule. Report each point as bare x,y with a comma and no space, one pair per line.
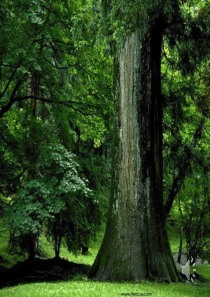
41,270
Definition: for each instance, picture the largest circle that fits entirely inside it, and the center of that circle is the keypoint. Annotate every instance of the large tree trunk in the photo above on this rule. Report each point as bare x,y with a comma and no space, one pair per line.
135,244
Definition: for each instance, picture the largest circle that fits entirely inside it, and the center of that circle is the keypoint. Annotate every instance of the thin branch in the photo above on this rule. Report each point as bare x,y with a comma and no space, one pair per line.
60,68
172,63
63,42
186,148
183,169
10,79
7,65
12,99
16,177
80,111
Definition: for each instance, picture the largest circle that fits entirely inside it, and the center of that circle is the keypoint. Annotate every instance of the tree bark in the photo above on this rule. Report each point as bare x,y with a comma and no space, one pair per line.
135,244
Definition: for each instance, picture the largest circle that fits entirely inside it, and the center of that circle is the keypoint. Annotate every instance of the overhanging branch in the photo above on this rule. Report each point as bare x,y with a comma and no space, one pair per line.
183,169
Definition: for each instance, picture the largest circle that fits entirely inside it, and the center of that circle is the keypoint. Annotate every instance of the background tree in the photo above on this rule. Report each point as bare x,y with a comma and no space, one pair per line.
73,76
194,212
60,201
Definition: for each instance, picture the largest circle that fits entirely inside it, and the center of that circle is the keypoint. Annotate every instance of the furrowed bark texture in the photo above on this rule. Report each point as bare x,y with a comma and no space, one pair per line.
135,244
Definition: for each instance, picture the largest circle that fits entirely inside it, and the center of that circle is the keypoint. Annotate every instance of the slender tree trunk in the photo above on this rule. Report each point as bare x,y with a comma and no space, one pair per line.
33,90
31,250
180,246
135,244
57,248
181,232
57,235
33,244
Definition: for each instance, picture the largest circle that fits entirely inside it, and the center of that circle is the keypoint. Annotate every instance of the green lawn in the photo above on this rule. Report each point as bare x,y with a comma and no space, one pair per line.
84,287
99,289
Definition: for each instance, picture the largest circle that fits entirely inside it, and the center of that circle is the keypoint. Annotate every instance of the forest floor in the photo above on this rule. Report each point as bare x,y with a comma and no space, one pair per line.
50,278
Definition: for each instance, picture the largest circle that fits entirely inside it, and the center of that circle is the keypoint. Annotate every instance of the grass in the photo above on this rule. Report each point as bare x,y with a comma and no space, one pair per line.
104,289
87,259
84,287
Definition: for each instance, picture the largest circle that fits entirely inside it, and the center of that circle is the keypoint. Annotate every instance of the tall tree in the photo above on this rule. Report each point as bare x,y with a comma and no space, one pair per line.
135,244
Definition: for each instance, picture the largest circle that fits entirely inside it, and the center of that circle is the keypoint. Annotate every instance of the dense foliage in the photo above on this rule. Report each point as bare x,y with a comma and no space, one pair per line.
57,199
56,96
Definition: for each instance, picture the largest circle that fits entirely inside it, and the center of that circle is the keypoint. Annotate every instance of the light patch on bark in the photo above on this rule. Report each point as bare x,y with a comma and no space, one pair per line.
127,174
120,133
115,207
